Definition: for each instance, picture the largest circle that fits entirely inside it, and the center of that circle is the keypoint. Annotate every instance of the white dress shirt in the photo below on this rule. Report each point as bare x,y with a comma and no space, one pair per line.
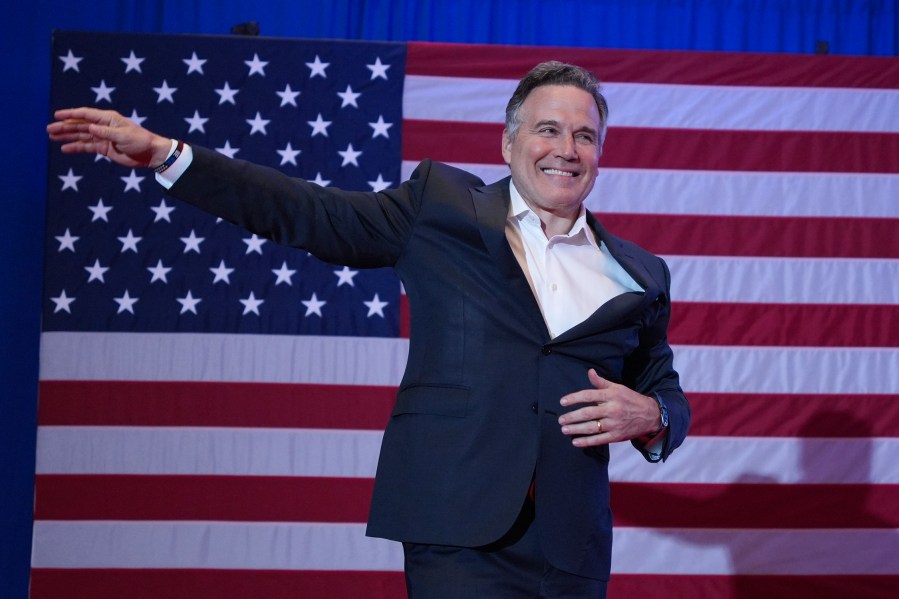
571,275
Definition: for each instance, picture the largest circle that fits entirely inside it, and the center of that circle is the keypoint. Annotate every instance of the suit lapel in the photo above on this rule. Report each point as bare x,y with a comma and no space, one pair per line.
491,204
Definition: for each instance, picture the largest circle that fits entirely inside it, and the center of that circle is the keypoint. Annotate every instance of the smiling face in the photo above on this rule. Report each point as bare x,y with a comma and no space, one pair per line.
554,154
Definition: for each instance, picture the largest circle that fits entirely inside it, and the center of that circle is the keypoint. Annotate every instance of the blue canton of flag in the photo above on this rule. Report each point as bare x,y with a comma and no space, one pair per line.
123,257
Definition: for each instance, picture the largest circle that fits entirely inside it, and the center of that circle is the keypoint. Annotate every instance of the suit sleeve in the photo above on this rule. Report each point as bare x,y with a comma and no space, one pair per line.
358,229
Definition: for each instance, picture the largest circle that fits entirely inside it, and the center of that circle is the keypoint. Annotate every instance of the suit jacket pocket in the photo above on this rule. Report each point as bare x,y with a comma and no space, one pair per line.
433,399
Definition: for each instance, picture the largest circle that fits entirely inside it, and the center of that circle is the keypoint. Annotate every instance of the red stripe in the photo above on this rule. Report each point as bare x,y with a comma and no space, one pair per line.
145,403
781,415
704,235
101,403
755,505
51,583
783,325
677,149
628,586
647,66
759,504
225,498
47,583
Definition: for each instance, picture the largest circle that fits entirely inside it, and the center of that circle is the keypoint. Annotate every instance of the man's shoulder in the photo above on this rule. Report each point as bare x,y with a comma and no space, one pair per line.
440,172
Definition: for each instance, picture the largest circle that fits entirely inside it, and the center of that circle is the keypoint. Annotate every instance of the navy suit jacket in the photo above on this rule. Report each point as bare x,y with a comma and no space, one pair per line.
476,415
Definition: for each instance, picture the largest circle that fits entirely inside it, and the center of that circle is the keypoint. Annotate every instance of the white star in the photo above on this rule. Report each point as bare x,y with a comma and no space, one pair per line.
376,306
288,154
96,272
288,96
256,66
132,63
349,156
319,181
251,304
70,61
164,92
227,150
313,305
380,184
349,97
129,242
345,276
194,64
226,94
103,92
258,124
70,180
380,128
136,119
159,272
378,69
318,67
162,211
188,303
100,211
67,241
192,242
254,244
101,158
196,122
284,274
222,273
132,181
62,301
126,303
319,125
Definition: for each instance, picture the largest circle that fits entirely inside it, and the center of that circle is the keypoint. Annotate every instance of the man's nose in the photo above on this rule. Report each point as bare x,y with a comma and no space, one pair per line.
566,148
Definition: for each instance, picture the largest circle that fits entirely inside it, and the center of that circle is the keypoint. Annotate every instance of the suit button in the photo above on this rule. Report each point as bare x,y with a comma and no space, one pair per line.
547,350
534,407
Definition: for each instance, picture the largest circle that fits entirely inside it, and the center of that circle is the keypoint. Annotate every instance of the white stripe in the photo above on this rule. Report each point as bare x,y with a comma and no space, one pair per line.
353,454
838,370
721,369
784,280
207,451
466,99
217,545
755,552
752,108
764,460
303,546
726,193
223,357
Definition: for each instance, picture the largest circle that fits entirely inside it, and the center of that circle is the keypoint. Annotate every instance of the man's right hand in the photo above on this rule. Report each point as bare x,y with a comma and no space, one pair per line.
106,132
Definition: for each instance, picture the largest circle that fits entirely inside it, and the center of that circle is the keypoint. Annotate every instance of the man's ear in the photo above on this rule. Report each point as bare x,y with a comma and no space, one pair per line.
507,149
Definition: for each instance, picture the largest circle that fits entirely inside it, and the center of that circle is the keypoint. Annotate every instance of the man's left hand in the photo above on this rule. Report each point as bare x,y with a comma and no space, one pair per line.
611,413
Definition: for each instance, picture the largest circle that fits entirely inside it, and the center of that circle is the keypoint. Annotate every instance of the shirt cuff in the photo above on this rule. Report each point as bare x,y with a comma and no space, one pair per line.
169,176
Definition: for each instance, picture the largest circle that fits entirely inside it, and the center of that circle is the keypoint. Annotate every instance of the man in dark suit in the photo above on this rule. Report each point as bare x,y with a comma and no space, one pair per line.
537,337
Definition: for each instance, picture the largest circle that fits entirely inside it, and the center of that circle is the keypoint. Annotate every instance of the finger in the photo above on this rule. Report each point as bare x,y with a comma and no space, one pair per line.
585,414
584,396
92,115
594,426
597,381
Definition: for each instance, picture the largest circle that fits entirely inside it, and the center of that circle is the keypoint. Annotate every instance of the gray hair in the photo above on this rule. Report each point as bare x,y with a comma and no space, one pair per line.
556,73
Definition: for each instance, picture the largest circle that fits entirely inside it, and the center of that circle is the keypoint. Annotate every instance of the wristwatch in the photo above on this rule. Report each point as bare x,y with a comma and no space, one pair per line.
663,413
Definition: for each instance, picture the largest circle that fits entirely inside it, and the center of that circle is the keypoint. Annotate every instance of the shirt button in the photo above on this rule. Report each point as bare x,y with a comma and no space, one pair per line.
534,407
554,287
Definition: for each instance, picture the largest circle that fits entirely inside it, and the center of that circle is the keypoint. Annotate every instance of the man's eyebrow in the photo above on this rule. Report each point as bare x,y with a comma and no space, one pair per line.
555,123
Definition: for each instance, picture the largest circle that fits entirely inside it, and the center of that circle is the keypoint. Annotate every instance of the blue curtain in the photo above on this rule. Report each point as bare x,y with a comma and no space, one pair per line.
861,27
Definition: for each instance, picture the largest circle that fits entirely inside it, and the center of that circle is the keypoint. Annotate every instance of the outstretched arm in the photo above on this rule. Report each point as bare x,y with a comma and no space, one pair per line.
106,132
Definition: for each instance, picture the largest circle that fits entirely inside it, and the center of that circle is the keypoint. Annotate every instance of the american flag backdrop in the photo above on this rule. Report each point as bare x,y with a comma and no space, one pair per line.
211,404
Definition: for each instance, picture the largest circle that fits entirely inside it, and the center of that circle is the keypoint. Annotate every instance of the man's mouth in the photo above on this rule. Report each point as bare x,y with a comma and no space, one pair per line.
555,171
